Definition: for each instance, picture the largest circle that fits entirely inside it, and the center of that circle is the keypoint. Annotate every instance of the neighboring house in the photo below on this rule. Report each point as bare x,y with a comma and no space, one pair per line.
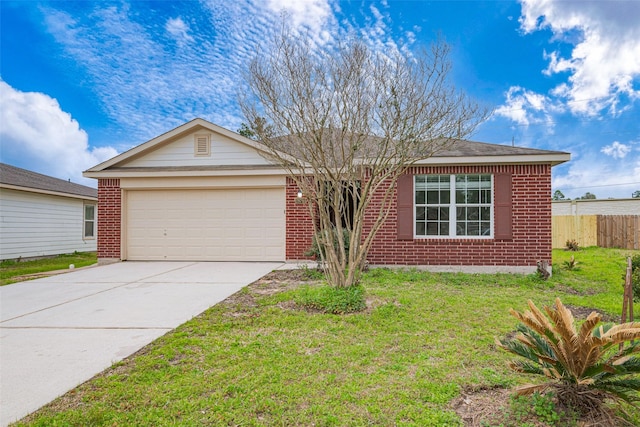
596,207
202,192
41,215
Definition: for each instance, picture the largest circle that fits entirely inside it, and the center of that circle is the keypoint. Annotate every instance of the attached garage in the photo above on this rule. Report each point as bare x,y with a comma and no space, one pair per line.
239,224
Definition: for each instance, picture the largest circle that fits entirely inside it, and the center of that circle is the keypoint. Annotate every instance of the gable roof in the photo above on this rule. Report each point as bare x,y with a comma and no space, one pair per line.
21,179
186,128
457,152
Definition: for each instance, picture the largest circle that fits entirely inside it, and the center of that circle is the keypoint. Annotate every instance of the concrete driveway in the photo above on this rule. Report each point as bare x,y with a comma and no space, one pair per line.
59,331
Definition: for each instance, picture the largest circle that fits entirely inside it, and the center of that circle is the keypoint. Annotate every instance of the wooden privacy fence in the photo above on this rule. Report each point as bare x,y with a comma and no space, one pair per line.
606,231
619,231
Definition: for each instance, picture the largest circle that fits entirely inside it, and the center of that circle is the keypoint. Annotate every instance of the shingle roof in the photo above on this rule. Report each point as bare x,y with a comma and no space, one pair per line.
335,139
464,148
11,175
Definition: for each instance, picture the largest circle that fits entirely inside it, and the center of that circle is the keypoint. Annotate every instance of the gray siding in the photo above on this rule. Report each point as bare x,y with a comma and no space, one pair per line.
33,224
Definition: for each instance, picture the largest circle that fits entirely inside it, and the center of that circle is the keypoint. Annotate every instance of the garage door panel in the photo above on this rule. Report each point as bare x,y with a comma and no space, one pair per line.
214,225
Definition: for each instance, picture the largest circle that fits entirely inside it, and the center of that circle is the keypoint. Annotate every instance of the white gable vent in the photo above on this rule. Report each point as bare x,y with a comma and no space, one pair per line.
202,145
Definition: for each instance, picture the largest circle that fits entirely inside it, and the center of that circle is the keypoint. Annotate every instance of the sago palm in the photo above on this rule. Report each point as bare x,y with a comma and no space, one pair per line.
585,365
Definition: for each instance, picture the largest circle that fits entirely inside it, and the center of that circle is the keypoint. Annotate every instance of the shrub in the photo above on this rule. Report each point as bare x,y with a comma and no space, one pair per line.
584,367
571,264
635,284
331,299
572,245
534,407
316,250
635,277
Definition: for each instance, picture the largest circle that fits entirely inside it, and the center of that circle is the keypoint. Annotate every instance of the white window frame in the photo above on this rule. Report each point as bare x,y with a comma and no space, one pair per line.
85,221
452,205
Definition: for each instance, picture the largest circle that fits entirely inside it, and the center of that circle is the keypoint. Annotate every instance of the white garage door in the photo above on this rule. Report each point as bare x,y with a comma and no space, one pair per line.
206,225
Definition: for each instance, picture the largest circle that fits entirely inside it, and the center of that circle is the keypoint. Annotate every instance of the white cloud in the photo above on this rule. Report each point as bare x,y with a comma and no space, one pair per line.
526,107
148,87
179,31
36,132
310,14
616,150
606,59
603,176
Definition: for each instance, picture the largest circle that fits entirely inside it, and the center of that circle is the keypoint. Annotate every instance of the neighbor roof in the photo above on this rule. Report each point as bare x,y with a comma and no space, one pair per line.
11,176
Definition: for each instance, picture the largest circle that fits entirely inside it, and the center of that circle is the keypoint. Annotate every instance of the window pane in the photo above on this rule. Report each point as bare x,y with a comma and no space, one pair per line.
432,229
88,229
486,228
460,196
432,214
420,199
461,214
444,214
473,214
89,212
445,197
461,229
420,228
473,196
432,197
420,213
485,214
444,228
473,229
485,196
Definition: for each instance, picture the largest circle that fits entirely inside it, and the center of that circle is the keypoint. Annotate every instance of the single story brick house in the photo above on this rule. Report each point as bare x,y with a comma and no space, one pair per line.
203,193
42,216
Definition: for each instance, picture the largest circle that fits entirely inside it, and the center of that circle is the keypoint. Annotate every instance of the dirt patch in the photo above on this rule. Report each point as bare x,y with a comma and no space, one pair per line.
482,407
571,291
244,302
582,313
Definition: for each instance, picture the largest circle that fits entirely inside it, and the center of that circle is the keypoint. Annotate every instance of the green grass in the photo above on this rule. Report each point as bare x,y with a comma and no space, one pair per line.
12,270
257,360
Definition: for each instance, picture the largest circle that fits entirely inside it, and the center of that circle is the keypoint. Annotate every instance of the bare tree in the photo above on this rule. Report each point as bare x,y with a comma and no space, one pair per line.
345,123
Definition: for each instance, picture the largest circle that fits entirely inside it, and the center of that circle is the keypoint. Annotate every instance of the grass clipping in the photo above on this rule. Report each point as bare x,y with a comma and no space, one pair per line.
330,299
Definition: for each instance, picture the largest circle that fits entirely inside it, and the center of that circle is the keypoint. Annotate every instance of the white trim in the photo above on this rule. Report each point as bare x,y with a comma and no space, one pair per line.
554,159
167,136
94,220
51,193
452,211
200,182
124,173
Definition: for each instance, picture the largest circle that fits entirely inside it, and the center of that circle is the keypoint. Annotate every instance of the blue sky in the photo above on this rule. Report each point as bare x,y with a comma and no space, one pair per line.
81,81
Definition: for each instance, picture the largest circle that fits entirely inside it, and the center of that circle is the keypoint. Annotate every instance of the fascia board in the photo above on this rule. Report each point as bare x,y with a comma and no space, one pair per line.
185,128
48,192
554,159
121,173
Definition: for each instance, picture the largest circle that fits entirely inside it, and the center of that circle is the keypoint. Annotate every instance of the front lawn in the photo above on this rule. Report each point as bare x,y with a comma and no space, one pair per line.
12,271
258,359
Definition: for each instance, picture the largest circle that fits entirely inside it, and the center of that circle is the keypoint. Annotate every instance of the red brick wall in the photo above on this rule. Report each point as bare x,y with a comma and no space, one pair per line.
299,233
531,219
109,218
